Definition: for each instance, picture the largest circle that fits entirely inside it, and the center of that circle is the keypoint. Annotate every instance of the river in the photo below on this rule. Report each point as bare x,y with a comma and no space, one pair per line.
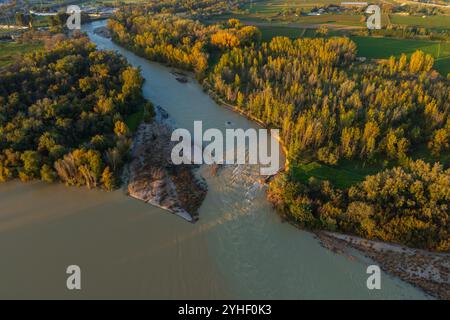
127,249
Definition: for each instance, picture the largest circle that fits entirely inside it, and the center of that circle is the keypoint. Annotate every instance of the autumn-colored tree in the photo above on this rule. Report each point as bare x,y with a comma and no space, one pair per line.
108,180
225,40
420,62
120,128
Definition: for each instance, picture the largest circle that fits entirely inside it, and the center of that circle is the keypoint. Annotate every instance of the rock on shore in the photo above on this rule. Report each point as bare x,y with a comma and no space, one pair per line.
153,177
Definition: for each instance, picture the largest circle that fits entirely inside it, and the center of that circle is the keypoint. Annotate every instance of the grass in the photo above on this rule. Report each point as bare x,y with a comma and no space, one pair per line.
10,51
271,10
372,47
350,172
338,20
269,32
382,48
270,7
432,22
344,175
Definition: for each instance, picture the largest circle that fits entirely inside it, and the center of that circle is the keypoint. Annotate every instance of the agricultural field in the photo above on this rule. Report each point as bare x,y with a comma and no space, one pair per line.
338,19
269,32
372,47
380,48
271,10
270,7
344,175
10,51
432,22
52,3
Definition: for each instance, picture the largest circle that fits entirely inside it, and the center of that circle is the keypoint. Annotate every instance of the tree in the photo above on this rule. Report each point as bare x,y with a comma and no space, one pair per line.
440,142
322,31
369,138
420,62
120,128
59,20
108,180
225,40
31,164
249,35
5,173
48,174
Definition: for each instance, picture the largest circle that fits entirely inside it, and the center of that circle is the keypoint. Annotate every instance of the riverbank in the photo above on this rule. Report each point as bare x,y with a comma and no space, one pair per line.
220,101
429,271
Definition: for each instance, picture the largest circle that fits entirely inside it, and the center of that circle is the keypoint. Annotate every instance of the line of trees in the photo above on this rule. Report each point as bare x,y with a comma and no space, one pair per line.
179,42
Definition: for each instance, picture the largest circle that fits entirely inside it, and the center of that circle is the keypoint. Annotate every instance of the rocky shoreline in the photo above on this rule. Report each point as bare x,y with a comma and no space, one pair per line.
154,179
429,271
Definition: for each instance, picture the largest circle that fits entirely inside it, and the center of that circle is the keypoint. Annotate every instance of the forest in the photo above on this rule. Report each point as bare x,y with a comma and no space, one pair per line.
330,108
62,115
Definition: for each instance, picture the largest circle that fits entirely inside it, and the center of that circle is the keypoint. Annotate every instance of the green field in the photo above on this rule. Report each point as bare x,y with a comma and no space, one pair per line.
10,51
381,48
346,174
278,31
434,22
338,19
269,32
270,7
374,48
272,10
134,120
350,172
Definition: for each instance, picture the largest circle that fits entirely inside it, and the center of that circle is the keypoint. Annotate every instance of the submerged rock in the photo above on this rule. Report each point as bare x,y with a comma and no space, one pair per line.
153,177
182,79
103,32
